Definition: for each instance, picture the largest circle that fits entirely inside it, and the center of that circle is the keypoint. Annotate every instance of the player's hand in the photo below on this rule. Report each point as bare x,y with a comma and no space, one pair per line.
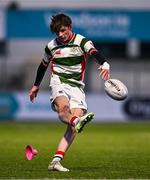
33,93
104,71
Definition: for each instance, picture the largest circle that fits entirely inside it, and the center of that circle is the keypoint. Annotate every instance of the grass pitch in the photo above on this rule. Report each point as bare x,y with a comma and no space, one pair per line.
104,150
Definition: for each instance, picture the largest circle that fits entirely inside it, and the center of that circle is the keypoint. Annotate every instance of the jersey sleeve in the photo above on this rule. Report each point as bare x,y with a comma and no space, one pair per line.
47,55
87,45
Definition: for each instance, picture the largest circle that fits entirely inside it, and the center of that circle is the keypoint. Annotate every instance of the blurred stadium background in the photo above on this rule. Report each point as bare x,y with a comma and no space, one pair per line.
120,30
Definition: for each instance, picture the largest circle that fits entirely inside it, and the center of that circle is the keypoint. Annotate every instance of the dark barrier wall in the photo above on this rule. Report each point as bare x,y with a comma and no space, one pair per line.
137,108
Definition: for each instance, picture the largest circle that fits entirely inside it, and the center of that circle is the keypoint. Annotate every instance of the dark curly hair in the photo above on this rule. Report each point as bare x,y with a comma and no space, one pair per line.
59,20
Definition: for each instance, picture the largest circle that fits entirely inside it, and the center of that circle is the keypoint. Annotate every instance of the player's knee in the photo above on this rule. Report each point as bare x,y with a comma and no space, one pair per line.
62,112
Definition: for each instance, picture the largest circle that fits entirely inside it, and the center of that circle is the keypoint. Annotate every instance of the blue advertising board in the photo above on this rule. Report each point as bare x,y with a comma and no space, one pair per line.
8,106
17,106
103,25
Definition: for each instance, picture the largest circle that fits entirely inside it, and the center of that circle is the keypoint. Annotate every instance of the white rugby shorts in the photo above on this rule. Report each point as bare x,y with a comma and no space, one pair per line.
75,95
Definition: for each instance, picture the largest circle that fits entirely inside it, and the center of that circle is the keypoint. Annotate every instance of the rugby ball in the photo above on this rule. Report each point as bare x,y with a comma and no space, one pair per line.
116,89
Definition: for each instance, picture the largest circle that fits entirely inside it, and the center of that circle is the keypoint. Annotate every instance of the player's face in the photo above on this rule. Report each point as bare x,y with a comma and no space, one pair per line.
64,34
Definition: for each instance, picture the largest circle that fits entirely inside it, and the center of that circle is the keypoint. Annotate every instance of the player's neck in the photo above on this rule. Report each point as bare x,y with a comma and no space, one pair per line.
71,36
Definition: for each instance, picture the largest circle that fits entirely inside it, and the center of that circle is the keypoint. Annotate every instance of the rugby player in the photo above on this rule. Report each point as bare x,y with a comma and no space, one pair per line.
66,54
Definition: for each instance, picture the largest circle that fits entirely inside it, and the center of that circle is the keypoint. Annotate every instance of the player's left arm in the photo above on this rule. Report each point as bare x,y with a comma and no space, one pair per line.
94,54
104,67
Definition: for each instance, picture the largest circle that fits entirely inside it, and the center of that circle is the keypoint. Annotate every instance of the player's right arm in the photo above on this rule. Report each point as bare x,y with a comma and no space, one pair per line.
40,74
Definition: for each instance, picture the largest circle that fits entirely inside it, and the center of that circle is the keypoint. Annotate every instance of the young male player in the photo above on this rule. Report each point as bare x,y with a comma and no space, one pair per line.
66,55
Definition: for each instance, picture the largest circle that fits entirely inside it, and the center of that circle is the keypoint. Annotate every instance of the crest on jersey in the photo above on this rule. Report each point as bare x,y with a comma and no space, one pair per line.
74,49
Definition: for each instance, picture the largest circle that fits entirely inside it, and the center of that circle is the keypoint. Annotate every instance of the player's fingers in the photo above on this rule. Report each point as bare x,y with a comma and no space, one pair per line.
102,72
32,96
100,67
105,74
104,77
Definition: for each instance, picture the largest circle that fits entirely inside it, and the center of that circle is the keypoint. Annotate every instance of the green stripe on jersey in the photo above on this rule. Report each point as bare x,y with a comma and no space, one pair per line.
84,40
71,83
91,49
69,61
47,50
75,76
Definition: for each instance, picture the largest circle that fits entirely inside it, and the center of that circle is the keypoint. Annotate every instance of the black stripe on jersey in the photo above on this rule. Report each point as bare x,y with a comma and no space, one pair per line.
48,51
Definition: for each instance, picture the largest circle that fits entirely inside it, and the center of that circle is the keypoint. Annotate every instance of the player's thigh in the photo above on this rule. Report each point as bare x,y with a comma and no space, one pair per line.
78,103
61,102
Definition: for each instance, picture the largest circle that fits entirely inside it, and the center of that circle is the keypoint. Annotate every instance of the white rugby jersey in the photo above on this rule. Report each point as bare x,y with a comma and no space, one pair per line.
68,60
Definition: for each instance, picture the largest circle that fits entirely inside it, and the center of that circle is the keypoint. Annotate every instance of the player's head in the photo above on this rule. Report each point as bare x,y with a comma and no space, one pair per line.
58,21
61,25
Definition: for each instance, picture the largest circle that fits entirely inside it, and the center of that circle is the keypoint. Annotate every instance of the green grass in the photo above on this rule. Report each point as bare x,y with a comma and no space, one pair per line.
103,150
